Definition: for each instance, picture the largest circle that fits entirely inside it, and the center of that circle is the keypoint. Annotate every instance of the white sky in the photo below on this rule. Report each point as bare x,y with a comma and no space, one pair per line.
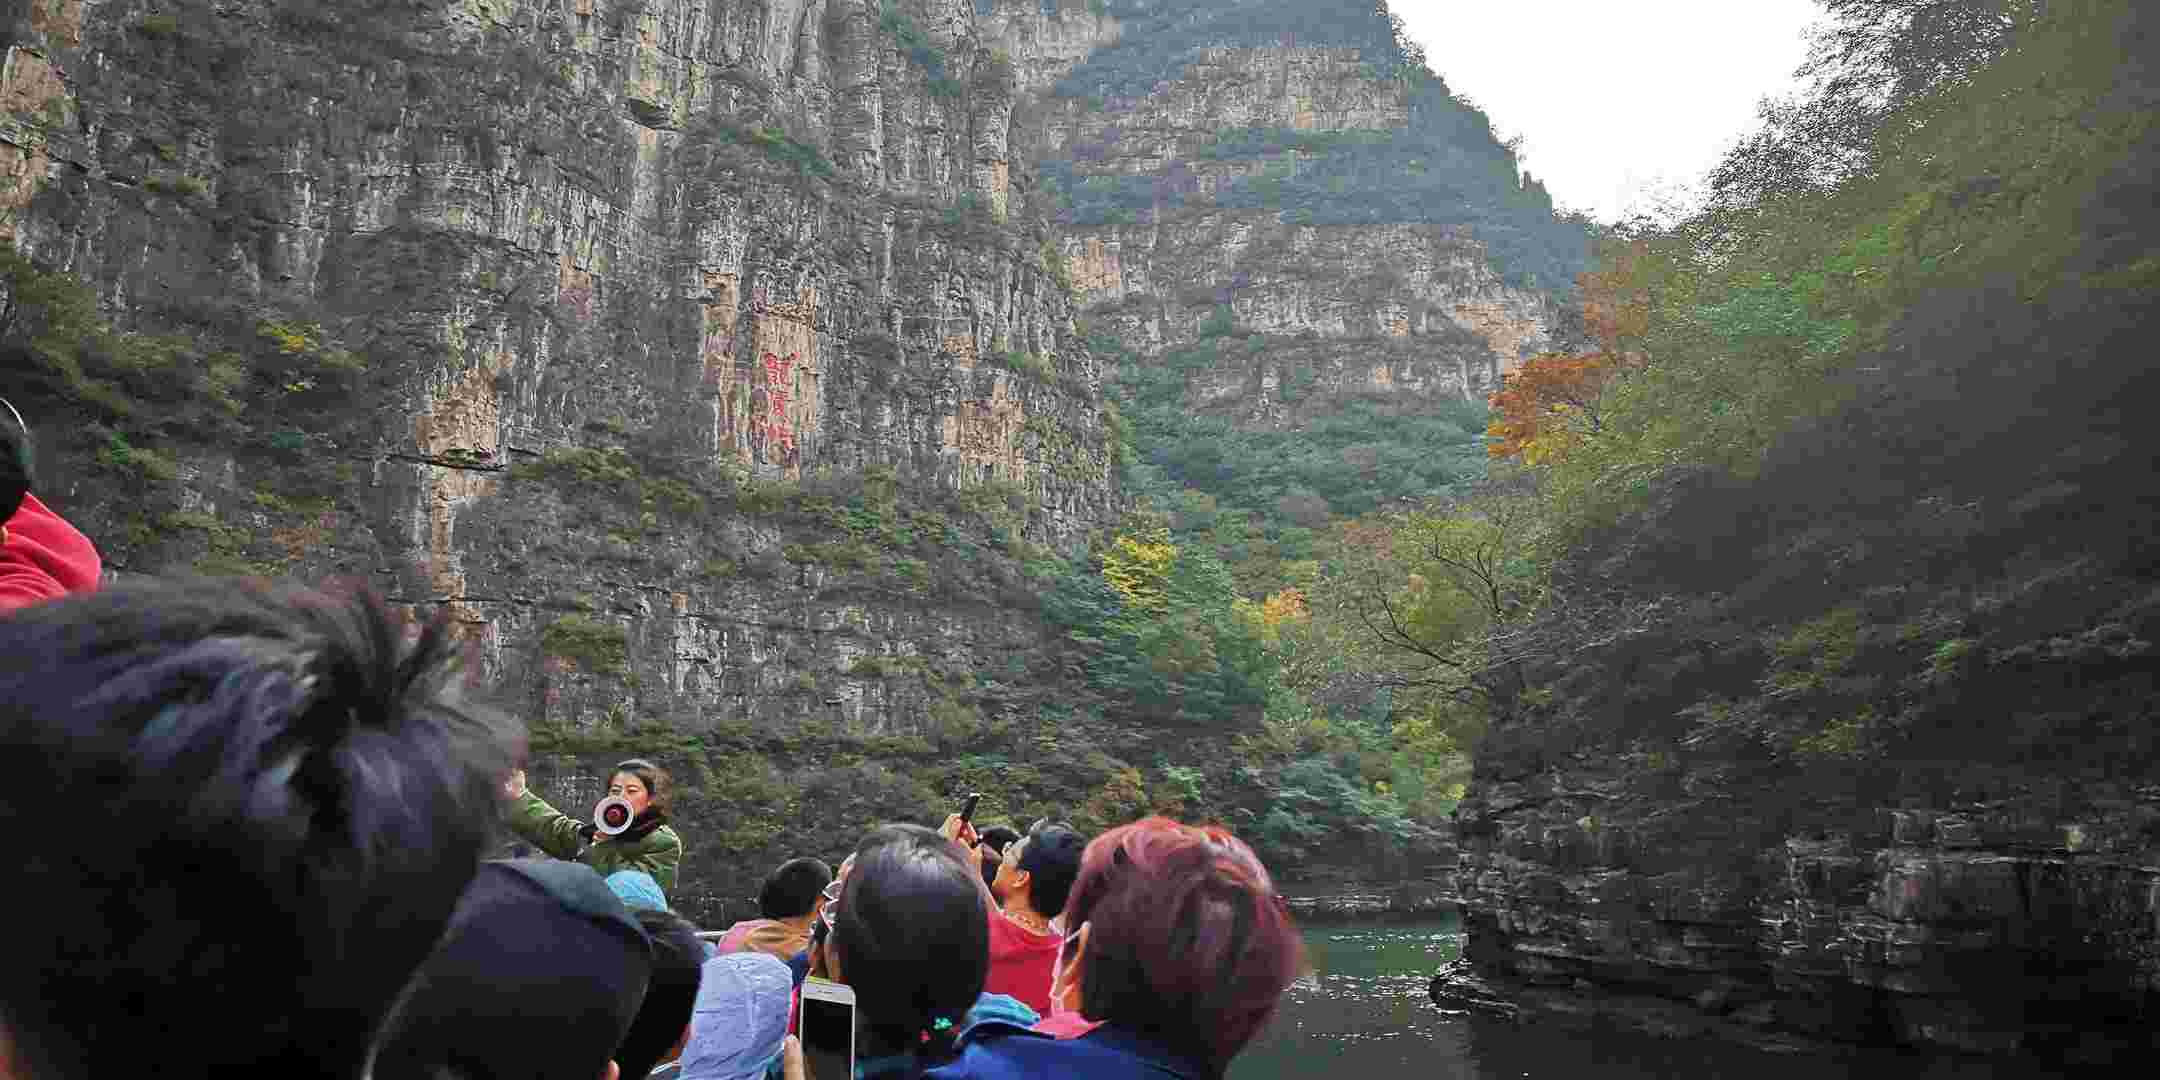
1618,102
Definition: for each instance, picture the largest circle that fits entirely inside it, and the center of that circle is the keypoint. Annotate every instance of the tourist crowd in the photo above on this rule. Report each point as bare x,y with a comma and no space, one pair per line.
257,828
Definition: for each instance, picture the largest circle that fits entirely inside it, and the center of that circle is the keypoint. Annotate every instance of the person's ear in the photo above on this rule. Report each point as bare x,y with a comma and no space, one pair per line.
612,1072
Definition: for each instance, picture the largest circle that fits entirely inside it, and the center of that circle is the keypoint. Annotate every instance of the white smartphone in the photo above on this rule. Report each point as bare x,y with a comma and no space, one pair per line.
828,1029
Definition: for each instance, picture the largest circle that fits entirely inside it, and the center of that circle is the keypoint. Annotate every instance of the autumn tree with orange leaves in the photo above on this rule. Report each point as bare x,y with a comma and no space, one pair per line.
1551,401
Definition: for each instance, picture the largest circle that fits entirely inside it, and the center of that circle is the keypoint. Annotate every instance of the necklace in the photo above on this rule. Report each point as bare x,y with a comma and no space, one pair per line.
1029,921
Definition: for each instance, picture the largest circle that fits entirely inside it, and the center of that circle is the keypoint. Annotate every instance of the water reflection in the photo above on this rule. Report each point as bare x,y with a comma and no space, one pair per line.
1364,1014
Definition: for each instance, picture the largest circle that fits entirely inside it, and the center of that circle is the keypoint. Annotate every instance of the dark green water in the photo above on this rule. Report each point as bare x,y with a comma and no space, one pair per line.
1365,1015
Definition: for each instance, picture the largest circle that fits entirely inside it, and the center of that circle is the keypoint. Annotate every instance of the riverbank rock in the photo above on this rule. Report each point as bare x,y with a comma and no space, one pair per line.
1373,903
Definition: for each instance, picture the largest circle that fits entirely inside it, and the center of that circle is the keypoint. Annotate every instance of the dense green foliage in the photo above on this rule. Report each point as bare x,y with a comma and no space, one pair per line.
1263,497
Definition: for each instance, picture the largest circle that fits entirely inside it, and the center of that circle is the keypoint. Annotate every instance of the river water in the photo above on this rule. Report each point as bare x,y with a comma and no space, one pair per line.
1364,1015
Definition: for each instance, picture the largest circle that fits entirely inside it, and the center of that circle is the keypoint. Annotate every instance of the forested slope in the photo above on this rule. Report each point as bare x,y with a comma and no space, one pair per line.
1827,709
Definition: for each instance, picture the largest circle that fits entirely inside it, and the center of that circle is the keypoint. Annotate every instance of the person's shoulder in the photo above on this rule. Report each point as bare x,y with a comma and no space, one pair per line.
1003,1052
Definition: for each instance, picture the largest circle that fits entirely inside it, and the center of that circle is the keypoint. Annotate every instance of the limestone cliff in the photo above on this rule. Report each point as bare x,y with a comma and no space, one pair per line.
1237,179
683,349
714,363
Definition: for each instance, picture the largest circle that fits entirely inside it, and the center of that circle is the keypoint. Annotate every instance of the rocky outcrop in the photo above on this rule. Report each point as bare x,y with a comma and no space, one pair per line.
1980,928
1858,748
1400,309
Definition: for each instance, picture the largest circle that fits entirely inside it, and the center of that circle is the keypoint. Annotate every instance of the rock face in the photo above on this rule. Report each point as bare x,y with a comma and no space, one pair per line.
1861,748
713,363
1401,308
600,298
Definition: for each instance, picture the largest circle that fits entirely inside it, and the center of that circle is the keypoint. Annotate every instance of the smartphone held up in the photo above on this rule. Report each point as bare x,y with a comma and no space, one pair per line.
828,1029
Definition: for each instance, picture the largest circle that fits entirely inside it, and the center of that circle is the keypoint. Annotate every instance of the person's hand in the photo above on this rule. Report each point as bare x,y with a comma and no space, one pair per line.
958,831
514,784
791,1059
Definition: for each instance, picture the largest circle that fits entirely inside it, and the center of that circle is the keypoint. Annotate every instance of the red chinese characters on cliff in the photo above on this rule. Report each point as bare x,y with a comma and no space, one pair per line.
771,422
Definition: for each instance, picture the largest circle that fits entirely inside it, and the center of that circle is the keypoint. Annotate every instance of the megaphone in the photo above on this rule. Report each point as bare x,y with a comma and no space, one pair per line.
613,816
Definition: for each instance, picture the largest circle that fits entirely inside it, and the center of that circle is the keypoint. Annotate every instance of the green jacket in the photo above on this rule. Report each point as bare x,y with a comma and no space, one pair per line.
657,853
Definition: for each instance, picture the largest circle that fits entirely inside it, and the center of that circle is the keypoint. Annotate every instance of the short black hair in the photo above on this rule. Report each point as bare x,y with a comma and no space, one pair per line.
995,838
791,891
256,808
912,937
678,959
1051,858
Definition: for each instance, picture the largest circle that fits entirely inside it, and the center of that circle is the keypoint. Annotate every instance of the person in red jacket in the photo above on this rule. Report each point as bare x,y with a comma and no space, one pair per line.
42,557
1032,881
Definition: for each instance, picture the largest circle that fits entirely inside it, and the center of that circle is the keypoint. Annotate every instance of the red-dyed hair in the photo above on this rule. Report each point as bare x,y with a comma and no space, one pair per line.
1188,941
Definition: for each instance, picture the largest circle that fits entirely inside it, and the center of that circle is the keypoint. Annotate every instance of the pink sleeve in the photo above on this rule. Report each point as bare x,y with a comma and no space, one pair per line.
44,558
732,941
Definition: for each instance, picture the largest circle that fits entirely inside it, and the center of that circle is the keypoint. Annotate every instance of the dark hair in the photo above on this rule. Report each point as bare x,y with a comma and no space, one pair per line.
792,890
255,809
1187,942
659,787
678,958
1051,857
995,838
912,937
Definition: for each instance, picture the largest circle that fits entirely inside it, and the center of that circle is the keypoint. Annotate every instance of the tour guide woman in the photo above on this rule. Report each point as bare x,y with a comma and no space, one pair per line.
648,845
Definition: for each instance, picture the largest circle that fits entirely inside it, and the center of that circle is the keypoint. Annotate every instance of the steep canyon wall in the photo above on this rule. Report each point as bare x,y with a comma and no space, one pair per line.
565,315
716,364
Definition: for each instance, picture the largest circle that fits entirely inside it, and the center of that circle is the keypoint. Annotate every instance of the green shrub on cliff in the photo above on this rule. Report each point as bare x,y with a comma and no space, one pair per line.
918,47
597,646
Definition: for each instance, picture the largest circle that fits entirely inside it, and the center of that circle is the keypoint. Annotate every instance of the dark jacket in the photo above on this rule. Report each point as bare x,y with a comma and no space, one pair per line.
992,1015
1006,1052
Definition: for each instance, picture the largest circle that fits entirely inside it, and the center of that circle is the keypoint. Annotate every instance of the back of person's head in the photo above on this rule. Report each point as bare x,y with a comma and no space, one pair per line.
1050,856
1187,940
741,1018
994,840
791,891
539,978
243,814
663,1019
912,936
